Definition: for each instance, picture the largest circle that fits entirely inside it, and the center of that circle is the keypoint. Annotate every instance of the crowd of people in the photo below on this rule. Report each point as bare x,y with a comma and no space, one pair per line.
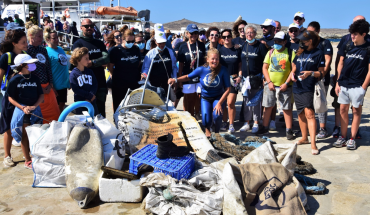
208,68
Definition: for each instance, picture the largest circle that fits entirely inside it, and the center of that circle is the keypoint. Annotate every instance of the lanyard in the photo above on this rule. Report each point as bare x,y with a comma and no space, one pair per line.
306,61
192,56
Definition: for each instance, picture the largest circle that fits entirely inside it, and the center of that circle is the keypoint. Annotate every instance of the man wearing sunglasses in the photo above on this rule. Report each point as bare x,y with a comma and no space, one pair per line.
268,29
299,20
98,56
293,41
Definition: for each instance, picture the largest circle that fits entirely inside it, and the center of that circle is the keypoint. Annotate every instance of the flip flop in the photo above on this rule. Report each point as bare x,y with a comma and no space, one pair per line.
314,151
302,143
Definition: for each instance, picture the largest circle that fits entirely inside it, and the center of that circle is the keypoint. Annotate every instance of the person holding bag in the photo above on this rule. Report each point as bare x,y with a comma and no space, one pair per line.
307,68
252,55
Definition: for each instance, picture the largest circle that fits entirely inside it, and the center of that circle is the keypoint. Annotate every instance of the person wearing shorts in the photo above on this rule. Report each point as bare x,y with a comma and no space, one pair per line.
59,66
354,78
276,69
230,58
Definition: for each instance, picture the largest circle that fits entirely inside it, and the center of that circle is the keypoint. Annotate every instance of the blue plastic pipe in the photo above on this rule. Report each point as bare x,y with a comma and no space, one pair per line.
70,108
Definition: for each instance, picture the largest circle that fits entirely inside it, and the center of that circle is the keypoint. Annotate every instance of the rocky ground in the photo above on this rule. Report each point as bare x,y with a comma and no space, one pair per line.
345,173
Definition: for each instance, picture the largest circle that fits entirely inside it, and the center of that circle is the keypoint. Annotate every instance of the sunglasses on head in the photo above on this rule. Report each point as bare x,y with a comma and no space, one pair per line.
297,18
214,35
293,30
194,33
88,26
225,37
118,36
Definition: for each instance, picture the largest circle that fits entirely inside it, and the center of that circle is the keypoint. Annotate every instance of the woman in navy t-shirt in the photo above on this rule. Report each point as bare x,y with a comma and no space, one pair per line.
230,58
308,67
215,86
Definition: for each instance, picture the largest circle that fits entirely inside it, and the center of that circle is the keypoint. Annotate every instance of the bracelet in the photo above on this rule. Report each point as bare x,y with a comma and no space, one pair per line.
269,82
240,76
287,83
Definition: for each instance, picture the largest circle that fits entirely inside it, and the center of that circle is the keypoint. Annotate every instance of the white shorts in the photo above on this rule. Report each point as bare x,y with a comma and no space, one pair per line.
192,88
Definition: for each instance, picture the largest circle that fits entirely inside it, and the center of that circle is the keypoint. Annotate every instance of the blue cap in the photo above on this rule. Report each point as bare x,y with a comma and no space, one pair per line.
192,28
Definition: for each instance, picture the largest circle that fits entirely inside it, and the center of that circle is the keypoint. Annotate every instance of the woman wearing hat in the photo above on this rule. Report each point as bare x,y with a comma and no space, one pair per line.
124,67
238,30
163,61
191,56
15,42
252,56
307,68
230,58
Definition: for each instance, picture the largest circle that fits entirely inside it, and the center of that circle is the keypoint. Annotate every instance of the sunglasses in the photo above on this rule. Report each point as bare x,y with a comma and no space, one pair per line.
88,26
132,41
139,42
293,31
265,27
226,37
194,33
214,35
118,36
278,41
241,29
297,18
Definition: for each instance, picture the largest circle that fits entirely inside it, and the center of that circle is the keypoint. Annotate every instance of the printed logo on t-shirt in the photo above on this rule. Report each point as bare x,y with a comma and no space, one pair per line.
354,56
328,50
27,84
160,60
229,56
84,79
129,58
63,60
94,51
250,54
207,81
194,52
41,57
305,60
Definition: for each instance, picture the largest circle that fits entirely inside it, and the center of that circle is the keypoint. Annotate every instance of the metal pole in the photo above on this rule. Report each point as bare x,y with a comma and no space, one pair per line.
146,81
78,9
118,3
53,3
24,11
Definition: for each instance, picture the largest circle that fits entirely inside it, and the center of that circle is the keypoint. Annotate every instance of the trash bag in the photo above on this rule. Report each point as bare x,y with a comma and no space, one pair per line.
48,152
221,144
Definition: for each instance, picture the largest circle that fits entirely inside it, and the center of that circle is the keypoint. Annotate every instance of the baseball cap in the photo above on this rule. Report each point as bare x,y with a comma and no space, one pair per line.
23,58
192,28
31,12
160,37
293,25
279,36
300,14
178,34
303,38
158,27
269,22
202,29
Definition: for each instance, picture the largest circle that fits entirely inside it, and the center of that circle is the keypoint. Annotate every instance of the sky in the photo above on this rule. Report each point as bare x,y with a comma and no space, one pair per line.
329,13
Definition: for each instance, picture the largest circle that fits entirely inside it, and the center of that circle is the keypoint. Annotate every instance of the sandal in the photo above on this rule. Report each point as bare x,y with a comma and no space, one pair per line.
302,143
314,151
28,165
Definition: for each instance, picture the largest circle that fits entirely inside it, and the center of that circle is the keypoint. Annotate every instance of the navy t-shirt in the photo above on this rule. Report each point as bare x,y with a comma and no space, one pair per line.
355,66
23,90
230,58
344,40
126,63
184,57
238,41
217,87
256,53
269,42
327,49
310,61
292,46
160,72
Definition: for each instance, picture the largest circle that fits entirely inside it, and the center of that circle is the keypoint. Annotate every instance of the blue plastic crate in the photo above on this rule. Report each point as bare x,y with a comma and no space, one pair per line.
179,167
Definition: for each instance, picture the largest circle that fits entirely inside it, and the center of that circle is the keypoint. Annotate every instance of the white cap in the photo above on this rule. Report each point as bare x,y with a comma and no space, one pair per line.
300,14
269,22
23,58
160,37
279,35
293,25
158,27
31,12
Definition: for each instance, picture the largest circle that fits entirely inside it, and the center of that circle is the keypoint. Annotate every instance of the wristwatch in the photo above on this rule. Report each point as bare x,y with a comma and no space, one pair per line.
175,80
240,76
312,73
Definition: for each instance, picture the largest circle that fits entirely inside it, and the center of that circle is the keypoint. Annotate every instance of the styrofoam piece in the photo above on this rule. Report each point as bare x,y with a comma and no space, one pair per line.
120,190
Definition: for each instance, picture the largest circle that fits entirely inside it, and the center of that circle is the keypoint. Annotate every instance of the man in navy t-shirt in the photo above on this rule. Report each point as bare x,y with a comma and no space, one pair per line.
354,78
268,28
327,49
293,41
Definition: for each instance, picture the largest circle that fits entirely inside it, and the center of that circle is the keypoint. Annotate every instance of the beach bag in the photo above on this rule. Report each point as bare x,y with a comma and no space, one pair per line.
319,99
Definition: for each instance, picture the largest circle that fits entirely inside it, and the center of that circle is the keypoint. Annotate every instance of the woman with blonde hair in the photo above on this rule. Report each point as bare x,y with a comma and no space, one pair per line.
49,108
215,86
59,66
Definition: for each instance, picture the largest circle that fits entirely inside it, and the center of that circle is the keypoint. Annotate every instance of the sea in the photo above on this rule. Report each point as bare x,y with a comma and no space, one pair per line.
334,40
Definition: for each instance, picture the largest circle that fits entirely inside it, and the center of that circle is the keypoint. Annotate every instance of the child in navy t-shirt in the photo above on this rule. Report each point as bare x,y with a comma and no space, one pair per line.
82,79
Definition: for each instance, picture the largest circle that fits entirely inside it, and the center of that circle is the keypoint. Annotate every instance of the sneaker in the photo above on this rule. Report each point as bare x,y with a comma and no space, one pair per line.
272,125
336,131
8,161
351,144
358,135
255,128
289,134
28,165
231,129
15,143
341,142
322,134
262,130
223,126
246,127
